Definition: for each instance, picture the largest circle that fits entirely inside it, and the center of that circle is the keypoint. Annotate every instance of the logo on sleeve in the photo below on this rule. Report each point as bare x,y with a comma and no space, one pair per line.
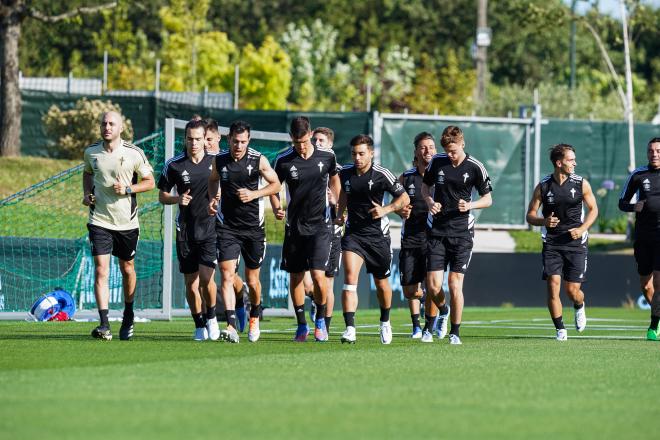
550,197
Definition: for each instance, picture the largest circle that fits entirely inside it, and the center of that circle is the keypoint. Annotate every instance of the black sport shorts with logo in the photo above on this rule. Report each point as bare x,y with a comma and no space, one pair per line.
191,254
305,252
376,251
121,244
452,252
251,244
412,265
570,263
647,255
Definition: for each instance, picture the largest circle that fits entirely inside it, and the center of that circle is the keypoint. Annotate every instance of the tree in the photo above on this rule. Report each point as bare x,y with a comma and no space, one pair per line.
12,15
265,76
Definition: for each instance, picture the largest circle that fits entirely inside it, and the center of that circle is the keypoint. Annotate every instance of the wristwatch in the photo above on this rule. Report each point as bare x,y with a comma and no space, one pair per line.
128,190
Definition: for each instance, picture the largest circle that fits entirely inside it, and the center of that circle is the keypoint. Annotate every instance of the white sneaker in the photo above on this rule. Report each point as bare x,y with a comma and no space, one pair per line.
229,335
581,318
349,336
201,334
454,340
427,336
253,331
562,334
213,329
385,333
441,324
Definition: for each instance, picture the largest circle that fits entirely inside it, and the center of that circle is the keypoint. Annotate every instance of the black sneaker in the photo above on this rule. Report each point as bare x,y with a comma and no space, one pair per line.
102,332
126,330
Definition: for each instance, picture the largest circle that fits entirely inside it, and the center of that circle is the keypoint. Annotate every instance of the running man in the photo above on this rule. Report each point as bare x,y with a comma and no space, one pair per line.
237,174
195,230
644,183
110,185
212,147
308,172
367,235
451,177
565,233
412,257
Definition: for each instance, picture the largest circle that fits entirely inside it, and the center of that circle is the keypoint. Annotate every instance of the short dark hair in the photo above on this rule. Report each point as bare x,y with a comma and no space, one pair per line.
299,127
195,123
422,136
557,152
362,139
451,135
211,125
238,127
654,140
327,132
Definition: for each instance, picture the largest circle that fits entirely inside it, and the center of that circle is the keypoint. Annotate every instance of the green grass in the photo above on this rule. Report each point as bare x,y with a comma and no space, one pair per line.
20,172
530,241
509,380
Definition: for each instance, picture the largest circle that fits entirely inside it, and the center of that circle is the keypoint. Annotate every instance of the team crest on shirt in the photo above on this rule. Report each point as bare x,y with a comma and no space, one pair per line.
293,172
441,177
646,184
347,186
185,176
411,189
551,197
466,176
224,173
573,193
370,183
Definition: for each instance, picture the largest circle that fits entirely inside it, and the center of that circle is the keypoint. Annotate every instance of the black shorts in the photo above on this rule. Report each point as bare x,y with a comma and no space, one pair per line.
305,252
191,254
412,265
571,264
647,256
455,252
251,244
122,244
375,251
334,262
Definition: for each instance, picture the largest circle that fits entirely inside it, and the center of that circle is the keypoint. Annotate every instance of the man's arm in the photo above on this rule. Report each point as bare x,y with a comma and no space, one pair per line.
629,190
484,201
146,184
341,207
213,189
434,207
334,184
406,210
269,176
590,202
532,212
88,184
398,203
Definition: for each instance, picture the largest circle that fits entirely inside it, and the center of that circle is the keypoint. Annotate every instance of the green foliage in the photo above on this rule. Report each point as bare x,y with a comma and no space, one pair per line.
78,128
617,225
265,76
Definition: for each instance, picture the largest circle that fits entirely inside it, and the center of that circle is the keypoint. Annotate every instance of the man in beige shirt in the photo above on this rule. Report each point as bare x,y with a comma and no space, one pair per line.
110,185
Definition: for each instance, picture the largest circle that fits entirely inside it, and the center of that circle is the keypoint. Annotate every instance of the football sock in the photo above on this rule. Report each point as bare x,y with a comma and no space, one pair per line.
349,319
444,309
455,328
384,314
428,322
231,317
320,310
128,312
300,314
558,322
578,306
415,320
239,300
254,310
654,322
210,312
327,322
103,315
199,320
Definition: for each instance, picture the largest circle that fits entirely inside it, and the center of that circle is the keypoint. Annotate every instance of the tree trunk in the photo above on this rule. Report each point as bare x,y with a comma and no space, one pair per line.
10,94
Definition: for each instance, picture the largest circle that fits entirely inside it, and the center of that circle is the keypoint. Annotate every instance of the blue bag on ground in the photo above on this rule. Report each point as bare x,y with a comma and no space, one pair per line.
56,305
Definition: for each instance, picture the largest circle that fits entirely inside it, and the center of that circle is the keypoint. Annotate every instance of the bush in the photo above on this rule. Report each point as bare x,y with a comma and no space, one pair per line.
71,131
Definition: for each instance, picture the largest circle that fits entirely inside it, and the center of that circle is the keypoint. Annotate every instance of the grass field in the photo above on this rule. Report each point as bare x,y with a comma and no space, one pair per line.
509,380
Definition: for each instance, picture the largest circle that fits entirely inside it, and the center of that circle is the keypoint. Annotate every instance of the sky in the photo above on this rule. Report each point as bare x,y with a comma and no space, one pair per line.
610,7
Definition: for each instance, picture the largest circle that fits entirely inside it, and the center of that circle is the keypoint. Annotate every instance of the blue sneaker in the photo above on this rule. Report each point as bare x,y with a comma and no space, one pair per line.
312,311
301,333
241,318
320,332
416,333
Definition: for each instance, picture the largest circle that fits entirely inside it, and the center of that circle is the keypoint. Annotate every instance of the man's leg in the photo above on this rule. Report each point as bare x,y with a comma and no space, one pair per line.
227,272
435,295
254,288
414,295
102,295
320,296
297,291
554,305
240,290
455,283
349,298
129,281
330,302
208,292
646,284
653,332
194,300
384,294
